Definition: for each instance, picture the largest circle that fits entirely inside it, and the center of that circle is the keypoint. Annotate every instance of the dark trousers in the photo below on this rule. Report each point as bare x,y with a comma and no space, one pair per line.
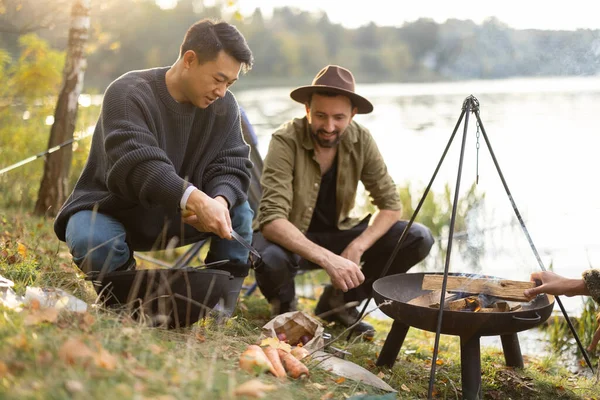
276,278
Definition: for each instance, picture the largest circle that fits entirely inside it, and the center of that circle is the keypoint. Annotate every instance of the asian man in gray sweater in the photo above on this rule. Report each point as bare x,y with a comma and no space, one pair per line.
168,140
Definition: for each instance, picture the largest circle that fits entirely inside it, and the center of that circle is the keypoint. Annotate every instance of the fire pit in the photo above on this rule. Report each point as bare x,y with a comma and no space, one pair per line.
469,325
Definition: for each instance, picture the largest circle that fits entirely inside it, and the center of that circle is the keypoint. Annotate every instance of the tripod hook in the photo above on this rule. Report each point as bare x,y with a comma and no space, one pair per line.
474,103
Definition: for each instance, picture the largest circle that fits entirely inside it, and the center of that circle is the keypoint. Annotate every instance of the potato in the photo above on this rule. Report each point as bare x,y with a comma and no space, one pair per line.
305,339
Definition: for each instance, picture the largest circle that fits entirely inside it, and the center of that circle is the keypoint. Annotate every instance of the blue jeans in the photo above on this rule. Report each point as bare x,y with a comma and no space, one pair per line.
97,242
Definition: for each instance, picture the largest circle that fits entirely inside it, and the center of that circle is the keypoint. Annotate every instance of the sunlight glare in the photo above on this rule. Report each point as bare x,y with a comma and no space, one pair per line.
85,100
166,4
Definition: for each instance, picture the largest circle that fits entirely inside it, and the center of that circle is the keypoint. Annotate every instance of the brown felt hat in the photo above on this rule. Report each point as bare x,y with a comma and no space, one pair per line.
336,79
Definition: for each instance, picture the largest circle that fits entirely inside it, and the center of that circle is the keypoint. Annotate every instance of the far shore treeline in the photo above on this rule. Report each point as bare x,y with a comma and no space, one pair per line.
292,45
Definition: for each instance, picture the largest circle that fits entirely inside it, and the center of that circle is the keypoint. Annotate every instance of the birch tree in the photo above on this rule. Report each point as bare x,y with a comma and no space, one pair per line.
54,185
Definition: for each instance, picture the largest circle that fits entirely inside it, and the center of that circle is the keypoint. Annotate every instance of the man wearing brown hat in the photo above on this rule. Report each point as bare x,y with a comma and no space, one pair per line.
309,181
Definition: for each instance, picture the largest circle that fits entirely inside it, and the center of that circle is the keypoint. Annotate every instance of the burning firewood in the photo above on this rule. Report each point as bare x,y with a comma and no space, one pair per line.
481,303
498,306
430,298
501,306
470,303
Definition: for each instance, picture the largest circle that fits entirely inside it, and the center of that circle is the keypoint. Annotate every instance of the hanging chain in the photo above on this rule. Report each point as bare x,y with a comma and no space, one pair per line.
477,147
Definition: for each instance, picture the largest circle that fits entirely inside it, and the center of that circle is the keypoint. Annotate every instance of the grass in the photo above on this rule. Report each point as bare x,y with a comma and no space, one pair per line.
105,354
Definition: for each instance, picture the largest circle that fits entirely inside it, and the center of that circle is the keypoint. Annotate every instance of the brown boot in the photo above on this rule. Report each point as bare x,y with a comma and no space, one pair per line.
277,307
332,299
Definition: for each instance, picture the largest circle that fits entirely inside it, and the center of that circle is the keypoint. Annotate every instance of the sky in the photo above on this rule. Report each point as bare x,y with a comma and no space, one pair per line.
519,14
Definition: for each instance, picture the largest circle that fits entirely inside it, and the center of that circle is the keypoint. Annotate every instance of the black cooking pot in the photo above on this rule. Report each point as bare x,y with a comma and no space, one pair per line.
176,297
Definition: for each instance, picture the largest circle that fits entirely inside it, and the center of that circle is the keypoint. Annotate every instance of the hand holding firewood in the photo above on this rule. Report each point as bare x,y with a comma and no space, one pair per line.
551,283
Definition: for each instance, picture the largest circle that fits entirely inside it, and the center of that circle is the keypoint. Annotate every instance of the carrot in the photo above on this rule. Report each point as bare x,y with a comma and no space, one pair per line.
255,361
292,365
273,356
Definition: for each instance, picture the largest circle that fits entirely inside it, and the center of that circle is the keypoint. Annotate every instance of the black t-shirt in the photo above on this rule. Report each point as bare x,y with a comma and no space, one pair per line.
324,216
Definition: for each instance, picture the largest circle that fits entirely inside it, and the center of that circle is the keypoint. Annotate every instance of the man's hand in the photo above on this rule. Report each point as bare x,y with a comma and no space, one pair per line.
208,215
344,274
555,284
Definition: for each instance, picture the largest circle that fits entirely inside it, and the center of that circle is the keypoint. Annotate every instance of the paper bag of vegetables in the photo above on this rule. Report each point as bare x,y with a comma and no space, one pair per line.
297,329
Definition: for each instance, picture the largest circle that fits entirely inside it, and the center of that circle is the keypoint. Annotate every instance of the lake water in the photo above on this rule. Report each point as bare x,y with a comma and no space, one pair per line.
545,134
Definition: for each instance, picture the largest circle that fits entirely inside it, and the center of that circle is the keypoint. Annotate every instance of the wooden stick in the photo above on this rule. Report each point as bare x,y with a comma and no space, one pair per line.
503,289
465,304
427,299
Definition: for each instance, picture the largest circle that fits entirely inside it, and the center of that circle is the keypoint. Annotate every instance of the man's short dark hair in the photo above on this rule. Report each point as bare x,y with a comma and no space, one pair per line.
208,37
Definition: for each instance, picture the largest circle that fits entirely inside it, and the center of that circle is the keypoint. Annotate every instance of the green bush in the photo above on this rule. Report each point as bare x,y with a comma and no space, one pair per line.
27,101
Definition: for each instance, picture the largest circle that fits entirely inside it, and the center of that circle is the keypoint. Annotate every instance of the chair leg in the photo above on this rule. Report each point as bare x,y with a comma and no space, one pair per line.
251,289
186,257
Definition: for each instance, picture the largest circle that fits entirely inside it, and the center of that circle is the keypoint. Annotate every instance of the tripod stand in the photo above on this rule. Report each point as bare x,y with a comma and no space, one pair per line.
470,105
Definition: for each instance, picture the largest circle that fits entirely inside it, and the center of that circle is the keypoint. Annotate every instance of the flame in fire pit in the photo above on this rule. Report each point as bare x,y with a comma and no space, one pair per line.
474,305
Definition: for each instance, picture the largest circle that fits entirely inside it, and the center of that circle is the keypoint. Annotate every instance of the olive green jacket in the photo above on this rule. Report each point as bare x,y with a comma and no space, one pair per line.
292,176
592,281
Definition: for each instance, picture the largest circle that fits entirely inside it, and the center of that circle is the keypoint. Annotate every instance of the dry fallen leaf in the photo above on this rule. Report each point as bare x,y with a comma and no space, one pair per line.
339,380
140,372
253,388
74,350
139,387
34,304
381,375
276,344
128,331
327,396
319,386
155,349
3,369
74,386
12,259
105,360
405,388
86,320
44,358
35,317
20,342
165,397
200,338
22,249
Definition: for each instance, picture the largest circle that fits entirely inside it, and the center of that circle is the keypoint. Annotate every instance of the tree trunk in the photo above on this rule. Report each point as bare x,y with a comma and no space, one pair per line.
54,185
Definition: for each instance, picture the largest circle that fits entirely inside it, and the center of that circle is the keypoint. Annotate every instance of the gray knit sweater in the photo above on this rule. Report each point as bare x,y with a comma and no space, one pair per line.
147,149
